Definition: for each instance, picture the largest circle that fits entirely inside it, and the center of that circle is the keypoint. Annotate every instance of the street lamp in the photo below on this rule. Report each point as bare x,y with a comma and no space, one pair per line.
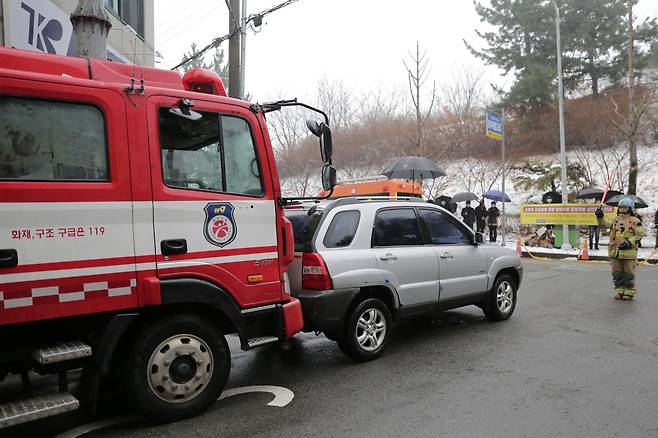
563,159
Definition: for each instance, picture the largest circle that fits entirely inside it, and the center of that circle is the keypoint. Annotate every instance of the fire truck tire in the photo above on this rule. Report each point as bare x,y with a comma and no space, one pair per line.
177,367
367,330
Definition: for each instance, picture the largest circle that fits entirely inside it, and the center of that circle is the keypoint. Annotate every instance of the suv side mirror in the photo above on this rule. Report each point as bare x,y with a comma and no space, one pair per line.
328,177
479,238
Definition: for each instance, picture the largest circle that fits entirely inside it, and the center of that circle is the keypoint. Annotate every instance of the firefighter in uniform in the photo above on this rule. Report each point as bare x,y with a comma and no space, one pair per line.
625,232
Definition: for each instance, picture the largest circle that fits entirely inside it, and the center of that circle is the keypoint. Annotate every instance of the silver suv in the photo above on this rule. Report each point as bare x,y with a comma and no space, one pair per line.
362,263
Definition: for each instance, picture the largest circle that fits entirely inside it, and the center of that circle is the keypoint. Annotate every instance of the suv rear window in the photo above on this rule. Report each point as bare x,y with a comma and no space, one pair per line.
342,229
304,224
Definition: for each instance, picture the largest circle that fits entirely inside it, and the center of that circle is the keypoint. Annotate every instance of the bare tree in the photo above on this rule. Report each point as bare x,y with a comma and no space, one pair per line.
463,96
417,75
377,106
628,125
336,100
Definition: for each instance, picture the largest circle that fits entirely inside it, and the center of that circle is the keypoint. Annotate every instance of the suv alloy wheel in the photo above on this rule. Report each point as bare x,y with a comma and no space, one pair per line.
367,330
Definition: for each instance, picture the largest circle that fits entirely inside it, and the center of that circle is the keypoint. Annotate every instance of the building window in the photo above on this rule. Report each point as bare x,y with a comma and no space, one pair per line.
130,12
112,5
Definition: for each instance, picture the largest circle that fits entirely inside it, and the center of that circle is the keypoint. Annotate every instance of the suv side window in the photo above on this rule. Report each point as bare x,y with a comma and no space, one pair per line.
342,229
214,153
442,230
396,227
44,140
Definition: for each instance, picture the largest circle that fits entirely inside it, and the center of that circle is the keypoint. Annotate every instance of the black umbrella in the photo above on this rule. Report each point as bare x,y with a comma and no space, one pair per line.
590,193
611,194
465,196
446,202
413,168
639,203
551,198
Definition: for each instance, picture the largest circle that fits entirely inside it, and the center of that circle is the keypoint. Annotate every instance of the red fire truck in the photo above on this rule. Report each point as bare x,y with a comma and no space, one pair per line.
140,221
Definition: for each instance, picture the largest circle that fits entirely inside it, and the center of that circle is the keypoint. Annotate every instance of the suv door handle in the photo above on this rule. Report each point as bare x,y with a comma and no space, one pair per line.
173,246
388,256
446,255
8,258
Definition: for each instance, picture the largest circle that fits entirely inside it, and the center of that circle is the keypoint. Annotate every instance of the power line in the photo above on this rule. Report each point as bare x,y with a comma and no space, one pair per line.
217,41
174,31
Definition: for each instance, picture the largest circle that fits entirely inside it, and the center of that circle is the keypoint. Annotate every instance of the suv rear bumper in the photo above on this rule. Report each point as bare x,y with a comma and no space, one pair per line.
325,310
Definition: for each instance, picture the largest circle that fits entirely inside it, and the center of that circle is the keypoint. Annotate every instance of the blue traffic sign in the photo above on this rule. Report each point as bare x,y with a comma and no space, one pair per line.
494,126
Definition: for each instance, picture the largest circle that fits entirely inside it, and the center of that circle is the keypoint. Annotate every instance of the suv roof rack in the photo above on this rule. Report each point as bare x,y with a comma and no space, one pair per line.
352,200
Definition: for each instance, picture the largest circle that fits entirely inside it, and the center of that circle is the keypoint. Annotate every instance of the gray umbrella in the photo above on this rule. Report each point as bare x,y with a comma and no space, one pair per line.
590,193
413,168
465,196
639,203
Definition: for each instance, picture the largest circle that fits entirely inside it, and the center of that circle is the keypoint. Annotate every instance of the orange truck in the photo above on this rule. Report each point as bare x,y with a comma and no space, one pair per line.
376,187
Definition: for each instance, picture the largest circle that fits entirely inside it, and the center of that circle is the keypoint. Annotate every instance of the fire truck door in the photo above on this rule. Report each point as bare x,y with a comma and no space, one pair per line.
214,210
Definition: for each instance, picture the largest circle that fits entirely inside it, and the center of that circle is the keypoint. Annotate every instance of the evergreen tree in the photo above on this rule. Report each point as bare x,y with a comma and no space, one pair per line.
594,44
596,41
523,43
218,64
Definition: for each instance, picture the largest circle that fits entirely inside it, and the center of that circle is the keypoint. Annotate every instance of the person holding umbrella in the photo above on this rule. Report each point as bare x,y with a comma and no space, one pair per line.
481,216
625,233
468,214
493,221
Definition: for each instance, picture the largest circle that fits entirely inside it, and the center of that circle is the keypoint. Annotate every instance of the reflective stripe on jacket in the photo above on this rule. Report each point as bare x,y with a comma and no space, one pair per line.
625,228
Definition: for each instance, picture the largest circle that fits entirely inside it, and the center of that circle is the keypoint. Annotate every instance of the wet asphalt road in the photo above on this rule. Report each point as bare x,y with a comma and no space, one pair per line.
570,362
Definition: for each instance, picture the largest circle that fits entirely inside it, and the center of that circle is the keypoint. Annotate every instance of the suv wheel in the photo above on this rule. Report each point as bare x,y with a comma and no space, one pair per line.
501,301
367,331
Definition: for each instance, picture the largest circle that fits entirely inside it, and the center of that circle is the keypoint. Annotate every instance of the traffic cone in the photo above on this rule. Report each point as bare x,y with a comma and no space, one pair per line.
584,251
518,248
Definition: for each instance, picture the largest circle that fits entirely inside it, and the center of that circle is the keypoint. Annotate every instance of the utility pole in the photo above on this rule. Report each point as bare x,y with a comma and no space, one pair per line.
234,85
632,147
91,25
502,188
563,159
243,47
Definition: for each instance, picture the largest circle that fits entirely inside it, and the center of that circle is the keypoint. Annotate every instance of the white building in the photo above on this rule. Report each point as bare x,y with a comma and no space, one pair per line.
45,25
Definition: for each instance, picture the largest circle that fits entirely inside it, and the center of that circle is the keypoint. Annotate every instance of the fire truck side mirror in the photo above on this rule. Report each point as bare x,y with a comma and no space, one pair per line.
328,177
322,131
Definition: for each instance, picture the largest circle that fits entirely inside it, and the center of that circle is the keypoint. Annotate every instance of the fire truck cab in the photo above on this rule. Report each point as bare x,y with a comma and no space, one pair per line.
140,223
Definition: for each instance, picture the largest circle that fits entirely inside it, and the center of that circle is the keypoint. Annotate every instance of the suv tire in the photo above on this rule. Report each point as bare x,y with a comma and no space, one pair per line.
501,300
367,330
176,367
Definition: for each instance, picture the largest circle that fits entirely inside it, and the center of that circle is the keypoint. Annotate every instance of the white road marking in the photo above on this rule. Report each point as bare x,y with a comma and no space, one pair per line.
98,425
282,396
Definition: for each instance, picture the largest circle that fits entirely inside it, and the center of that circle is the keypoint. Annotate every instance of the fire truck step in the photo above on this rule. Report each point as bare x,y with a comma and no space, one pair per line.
24,411
62,352
257,342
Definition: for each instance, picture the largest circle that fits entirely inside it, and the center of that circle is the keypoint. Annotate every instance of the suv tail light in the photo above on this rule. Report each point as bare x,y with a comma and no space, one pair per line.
315,274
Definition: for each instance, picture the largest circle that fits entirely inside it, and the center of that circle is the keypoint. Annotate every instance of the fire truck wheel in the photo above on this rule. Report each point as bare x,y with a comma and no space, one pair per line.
367,331
177,367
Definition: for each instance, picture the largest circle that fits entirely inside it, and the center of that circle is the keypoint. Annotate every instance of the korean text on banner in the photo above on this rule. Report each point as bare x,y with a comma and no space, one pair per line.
563,214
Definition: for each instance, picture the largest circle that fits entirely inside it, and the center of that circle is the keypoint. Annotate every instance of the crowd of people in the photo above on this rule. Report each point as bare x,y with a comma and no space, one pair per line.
482,217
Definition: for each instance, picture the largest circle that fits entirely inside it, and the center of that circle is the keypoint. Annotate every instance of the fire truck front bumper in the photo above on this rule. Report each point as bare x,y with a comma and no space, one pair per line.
293,320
